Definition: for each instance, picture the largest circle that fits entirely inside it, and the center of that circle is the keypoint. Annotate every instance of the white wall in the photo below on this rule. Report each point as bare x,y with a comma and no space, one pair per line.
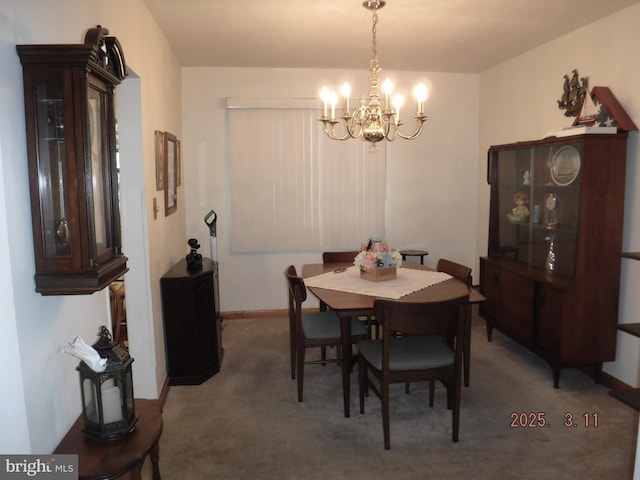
39,386
431,186
519,102
436,186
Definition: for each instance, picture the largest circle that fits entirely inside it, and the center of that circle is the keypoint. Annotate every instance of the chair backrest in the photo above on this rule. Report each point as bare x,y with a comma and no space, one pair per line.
338,257
297,290
456,270
421,318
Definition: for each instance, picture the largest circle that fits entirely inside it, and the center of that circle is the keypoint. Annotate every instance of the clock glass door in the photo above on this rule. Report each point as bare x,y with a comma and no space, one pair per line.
52,170
100,164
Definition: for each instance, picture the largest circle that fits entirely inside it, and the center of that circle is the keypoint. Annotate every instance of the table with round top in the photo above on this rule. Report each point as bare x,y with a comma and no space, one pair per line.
106,460
414,253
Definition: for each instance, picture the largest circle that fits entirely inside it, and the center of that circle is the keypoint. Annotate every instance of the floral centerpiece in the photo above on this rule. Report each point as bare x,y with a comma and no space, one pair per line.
377,261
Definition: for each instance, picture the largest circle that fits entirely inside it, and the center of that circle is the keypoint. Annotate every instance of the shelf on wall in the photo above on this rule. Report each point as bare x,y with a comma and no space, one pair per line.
630,396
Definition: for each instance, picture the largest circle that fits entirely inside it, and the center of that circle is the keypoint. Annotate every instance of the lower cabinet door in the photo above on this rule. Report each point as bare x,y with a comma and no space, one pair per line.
516,317
490,288
549,303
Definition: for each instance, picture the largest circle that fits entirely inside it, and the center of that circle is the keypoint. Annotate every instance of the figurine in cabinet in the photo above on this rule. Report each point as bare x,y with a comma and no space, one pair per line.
519,213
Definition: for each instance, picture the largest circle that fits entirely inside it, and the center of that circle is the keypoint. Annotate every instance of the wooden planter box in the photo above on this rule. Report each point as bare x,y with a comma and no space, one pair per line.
379,274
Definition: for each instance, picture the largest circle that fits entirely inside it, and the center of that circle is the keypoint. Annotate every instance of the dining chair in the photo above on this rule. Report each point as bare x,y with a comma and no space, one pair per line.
312,330
339,257
344,257
420,353
462,273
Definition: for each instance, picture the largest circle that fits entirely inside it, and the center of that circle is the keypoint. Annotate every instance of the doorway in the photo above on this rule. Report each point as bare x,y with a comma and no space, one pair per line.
141,330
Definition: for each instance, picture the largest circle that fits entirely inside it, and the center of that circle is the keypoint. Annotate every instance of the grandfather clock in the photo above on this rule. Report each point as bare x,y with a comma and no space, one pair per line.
69,94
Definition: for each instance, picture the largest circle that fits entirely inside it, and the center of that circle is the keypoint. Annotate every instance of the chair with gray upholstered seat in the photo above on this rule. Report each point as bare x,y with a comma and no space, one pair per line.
462,273
312,330
421,353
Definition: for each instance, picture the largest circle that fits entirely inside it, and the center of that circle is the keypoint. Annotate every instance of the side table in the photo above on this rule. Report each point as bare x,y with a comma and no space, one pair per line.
110,460
414,253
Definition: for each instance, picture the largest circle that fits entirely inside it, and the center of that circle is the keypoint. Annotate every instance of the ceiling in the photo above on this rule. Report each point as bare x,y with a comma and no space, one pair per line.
466,36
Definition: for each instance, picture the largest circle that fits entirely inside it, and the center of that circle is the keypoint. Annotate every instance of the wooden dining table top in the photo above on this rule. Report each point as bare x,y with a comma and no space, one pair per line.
339,300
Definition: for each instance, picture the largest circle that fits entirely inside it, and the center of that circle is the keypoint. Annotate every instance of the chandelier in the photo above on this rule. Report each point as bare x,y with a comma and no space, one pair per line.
372,121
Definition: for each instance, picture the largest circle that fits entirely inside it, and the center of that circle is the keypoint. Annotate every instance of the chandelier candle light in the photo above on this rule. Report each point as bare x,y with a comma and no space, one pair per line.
372,121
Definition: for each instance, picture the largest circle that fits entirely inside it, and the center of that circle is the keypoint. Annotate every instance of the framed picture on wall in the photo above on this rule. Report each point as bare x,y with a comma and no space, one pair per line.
170,173
159,143
178,163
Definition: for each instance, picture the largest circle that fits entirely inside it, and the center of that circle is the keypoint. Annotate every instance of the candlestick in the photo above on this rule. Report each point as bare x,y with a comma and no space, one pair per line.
324,94
346,92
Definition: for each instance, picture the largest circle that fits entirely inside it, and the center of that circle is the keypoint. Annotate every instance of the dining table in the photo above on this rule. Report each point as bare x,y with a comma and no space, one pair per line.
338,286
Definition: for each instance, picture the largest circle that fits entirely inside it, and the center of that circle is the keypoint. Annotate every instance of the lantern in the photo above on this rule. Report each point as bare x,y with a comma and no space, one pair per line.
107,396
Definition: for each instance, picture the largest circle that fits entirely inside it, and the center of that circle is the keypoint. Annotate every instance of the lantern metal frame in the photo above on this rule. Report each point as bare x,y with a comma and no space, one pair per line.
107,397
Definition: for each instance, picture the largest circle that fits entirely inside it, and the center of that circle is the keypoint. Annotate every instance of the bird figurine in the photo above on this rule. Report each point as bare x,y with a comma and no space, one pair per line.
89,355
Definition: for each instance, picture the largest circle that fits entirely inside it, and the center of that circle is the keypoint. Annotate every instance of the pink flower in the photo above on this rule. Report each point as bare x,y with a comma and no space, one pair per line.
369,261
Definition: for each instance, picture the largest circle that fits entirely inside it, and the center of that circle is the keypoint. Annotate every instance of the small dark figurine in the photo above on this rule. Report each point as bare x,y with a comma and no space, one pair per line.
194,259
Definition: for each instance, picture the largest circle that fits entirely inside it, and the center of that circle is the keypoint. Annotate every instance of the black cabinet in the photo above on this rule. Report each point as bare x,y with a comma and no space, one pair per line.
192,330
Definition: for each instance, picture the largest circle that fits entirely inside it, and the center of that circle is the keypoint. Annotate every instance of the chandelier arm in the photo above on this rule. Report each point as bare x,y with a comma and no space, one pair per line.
391,137
354,124
329,129
420,123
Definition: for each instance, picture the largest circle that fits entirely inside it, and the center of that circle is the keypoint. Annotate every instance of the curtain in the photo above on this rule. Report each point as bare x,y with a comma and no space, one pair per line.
293,188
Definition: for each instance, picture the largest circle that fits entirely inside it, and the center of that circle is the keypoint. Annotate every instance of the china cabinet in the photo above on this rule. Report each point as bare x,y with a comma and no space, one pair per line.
551,277
69,94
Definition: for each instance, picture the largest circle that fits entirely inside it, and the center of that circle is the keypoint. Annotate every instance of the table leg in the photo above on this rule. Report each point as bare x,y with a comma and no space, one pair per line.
345,334
155,458
466,346
136,472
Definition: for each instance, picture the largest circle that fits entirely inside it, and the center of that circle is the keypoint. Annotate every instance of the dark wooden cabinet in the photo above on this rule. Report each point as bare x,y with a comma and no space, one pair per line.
552,273
69,95
192,329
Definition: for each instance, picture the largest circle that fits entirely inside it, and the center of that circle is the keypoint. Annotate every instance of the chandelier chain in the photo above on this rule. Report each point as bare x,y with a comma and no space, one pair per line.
374,53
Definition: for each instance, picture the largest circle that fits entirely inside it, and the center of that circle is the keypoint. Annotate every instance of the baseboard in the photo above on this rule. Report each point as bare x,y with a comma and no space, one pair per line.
607,380
260,313
164,392
612,382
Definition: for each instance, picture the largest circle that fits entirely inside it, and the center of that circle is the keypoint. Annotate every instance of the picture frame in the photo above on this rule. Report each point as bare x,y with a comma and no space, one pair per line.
178,163
159,147
170,173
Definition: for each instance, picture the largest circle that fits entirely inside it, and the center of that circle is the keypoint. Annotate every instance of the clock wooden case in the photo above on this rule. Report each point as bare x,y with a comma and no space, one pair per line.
69,92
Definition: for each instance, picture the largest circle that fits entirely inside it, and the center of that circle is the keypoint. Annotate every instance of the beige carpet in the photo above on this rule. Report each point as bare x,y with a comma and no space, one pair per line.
245,422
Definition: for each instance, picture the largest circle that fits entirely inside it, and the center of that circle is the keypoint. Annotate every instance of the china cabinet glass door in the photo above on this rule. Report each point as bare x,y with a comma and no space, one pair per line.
539,191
